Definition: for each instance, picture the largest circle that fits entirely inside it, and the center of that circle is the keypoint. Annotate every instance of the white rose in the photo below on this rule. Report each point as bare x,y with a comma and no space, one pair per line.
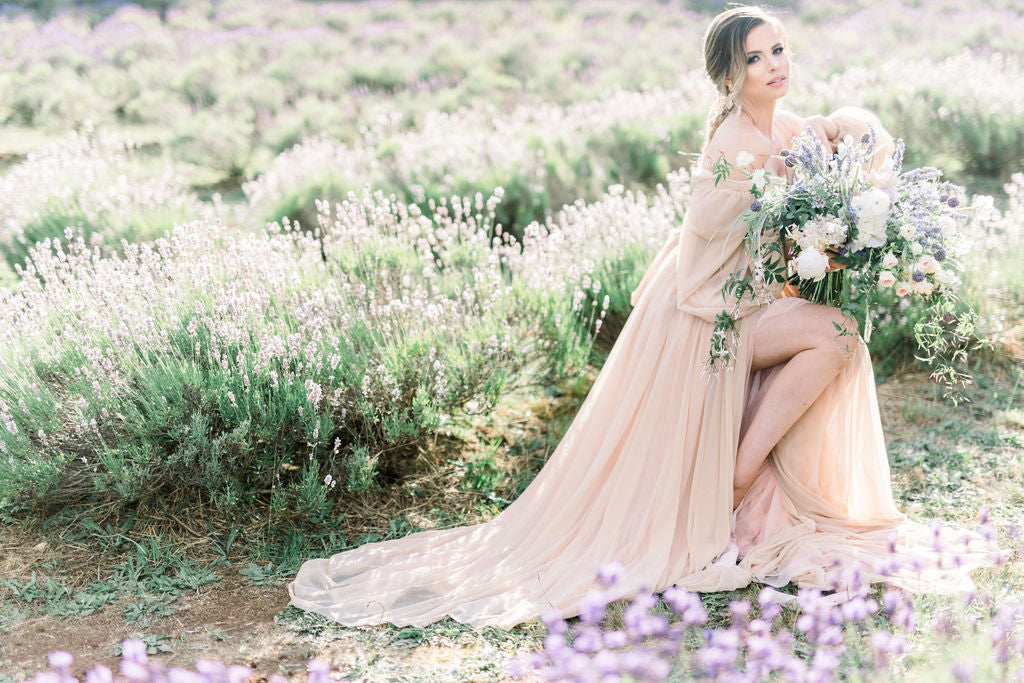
811,264
946,224
907,231
889,261
835,231
886,279
916,248
758,177
927,264
947,278
984,205
744,158
902,288
923,287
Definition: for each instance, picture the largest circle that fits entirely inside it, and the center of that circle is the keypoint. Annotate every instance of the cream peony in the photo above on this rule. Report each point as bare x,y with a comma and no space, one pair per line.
889,261
886,279
907,231
923,287
744,158
903,288
916,248
811,264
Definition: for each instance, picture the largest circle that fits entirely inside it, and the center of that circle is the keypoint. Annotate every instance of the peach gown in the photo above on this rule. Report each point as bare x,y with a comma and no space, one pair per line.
643,475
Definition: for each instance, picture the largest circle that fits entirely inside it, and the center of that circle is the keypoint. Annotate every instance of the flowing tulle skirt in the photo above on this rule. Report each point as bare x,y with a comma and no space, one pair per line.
643,477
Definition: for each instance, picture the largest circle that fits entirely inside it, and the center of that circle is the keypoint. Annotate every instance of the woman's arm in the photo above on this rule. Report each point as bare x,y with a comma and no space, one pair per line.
826,129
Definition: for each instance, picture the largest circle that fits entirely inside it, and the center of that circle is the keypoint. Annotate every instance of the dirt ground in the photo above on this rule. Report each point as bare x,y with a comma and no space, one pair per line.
235,621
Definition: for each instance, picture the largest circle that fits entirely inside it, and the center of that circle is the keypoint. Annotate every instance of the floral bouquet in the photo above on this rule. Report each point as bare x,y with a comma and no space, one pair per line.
891,230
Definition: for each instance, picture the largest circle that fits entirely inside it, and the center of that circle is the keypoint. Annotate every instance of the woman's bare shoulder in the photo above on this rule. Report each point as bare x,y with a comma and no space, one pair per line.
787,116
730,139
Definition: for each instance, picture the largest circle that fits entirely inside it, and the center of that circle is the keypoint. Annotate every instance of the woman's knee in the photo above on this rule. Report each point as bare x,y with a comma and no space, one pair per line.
839,335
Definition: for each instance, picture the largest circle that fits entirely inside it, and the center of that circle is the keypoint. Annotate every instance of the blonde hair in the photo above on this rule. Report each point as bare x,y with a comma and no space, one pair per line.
725,57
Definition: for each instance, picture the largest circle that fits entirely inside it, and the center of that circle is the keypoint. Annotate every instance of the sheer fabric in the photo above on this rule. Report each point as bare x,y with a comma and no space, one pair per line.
643,475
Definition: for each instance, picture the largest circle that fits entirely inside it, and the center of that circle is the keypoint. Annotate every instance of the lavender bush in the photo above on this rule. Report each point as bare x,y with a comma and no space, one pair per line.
95,181
278,363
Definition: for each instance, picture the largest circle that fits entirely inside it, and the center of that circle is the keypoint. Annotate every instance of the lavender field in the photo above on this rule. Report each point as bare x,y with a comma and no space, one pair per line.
283,278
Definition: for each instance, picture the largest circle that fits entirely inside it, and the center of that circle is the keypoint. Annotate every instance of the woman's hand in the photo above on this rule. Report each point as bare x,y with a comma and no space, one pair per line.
826,129
832,264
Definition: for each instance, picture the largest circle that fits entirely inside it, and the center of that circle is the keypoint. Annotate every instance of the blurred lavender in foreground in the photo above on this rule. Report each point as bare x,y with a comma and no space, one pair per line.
849,630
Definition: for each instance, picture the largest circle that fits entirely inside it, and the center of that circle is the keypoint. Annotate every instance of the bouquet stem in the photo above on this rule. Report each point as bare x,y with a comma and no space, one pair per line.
828,290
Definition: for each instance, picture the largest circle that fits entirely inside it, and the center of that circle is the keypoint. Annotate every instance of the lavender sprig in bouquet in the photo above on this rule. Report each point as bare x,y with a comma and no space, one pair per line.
891,230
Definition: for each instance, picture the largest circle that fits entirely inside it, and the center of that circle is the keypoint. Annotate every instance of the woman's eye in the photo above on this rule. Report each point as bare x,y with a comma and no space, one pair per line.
778,50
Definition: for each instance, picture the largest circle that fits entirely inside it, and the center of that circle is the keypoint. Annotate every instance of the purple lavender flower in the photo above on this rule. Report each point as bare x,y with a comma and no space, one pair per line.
553,620
318,671
918,276
755,205
963,672
592,607
790,161
588,640
953,202
615,639
818,201
940,254
610,573
60,661
134,650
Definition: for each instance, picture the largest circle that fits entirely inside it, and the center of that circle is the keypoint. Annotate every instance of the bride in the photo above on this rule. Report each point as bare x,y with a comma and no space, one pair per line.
771,472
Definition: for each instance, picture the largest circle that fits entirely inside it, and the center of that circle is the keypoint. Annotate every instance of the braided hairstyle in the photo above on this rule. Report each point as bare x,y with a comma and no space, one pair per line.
725,58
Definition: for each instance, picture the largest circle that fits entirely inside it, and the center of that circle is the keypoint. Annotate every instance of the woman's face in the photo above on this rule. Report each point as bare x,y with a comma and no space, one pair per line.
767,62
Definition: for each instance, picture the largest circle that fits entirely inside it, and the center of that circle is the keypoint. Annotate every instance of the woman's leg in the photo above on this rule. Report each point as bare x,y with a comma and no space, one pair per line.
807,340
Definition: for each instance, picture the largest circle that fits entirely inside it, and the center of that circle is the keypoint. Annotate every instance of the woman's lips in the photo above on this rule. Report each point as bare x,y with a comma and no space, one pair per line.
779,81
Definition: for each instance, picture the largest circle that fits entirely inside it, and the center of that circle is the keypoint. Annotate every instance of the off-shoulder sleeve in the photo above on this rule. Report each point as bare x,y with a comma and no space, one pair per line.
854,121
711,246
